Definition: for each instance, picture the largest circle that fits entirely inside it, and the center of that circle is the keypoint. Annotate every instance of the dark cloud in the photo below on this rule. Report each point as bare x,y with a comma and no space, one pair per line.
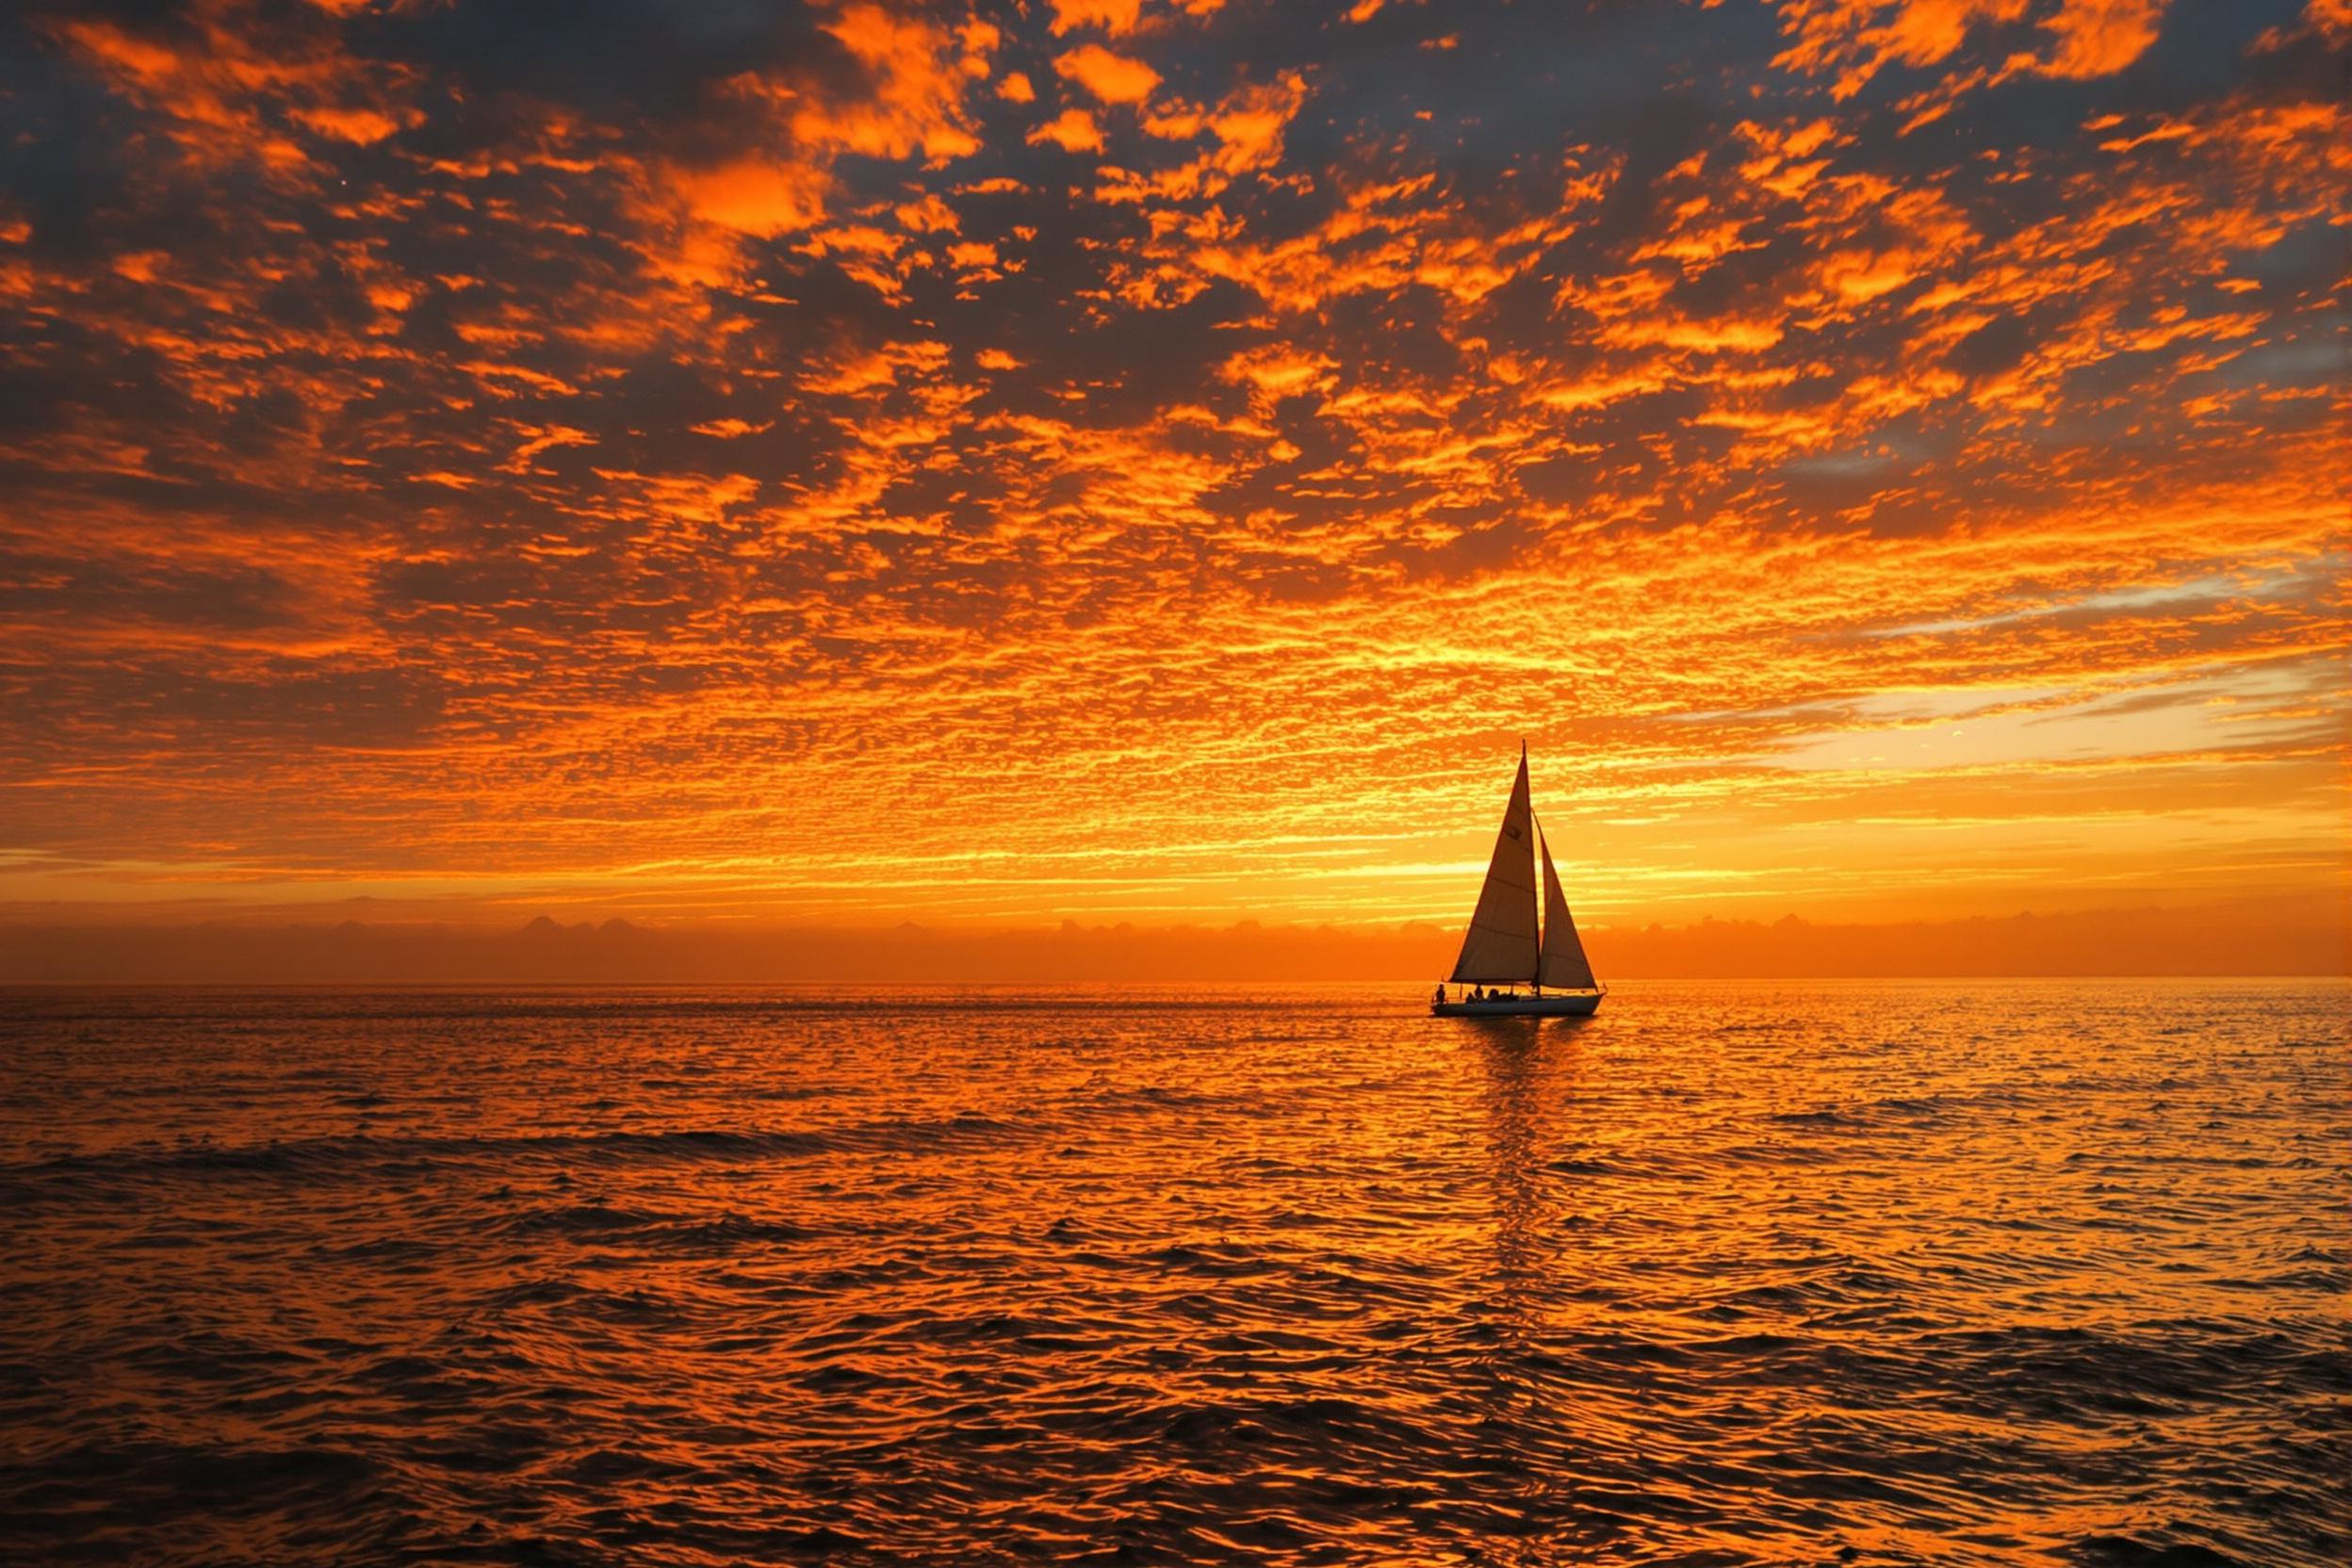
571,393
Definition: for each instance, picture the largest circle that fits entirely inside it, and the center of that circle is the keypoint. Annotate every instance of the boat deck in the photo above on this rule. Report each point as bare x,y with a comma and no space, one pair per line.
1565,1004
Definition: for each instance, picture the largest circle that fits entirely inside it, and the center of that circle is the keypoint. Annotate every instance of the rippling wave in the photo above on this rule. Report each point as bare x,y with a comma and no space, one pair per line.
1868,1273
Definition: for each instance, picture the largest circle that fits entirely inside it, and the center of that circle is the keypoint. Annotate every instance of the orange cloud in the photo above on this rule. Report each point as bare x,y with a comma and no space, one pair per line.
1248,125
1855,40
1072,131
1111,78
758,197
921,75
2098,37
1112,16
790,496
361,126
215,82
1600,391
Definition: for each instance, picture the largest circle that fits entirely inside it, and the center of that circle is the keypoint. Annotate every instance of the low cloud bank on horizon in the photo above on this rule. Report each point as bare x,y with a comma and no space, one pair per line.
2280,937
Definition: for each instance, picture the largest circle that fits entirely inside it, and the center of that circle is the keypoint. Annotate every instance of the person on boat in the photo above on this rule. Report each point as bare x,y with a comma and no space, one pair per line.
1440,997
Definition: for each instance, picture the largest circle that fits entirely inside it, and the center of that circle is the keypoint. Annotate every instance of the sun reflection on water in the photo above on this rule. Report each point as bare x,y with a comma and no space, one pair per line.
1895,1272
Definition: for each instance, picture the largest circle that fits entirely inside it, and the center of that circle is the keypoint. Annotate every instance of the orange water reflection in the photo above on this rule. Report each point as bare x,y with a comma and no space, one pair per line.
1723,1273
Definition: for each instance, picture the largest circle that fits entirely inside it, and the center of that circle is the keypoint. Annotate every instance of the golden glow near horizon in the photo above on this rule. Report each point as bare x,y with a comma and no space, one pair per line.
1154,462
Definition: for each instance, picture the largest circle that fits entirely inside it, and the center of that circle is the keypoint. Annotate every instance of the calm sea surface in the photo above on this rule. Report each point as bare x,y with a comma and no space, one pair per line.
2015,1272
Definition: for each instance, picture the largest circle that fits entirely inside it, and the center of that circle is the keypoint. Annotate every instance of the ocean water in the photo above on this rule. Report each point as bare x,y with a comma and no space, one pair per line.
1858,1273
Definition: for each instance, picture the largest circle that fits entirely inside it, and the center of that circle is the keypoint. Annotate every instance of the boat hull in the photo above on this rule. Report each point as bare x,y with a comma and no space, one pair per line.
1571,1004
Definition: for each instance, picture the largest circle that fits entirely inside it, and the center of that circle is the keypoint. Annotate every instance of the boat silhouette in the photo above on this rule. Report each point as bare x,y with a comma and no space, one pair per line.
1506,946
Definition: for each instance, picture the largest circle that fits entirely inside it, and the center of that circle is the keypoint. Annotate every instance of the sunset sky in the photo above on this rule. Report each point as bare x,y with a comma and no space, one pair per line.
1155,461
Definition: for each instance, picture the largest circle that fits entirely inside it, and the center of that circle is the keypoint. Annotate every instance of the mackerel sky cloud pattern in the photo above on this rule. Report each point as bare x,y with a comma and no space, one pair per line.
1153,461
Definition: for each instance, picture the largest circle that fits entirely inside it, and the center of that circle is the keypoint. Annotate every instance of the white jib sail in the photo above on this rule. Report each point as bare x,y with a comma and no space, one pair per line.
1564,963
1500,943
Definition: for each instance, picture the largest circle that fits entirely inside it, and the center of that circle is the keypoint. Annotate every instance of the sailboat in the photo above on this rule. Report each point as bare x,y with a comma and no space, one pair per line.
1504,946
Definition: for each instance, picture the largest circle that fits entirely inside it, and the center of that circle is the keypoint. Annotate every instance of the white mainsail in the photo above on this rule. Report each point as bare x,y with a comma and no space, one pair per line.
1564,963
1501,942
